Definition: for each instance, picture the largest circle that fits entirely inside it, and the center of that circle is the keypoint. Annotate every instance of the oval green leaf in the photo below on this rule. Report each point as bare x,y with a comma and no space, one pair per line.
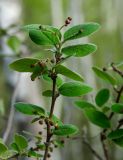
60,69
79,50
8,154
73,89
23,64
14,43
21,142
102,97
65,130
81,30
29,109
84,104
104,75
42,28
97,117
117,108
47,93
3,148
116,134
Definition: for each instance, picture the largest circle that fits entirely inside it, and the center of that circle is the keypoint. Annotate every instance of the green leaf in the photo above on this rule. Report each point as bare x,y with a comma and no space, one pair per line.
73,89
29,109
81,30
14,43
97,118
47,93
56,120
7,154
79,50
118,141
45,35
34,154
102,97
38,71
60,69
30,27
14,146
104,75
3,148
23,64
116,134
42,28
84,104
21,142
117,107
65,130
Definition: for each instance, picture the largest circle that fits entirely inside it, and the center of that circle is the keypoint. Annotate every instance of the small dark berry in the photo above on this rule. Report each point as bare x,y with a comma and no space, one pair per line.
48,155
62,141
40,133
67,22
41,122
70,19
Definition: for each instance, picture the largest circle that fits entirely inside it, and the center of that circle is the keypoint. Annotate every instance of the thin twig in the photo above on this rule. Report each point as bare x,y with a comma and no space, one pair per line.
92,150
12,111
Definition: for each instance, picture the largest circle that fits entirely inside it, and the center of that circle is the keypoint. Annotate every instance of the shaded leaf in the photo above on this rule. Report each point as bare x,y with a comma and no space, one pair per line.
84,104
23,64
34,154
65,130
60,69
117,107
81,30
73,89
29,109
102,97
97,118
79,50
47,93
104,75
14,43
116,134
3,148
118,141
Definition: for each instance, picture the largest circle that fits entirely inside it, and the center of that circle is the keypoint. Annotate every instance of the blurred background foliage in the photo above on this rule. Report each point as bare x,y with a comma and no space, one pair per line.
53,12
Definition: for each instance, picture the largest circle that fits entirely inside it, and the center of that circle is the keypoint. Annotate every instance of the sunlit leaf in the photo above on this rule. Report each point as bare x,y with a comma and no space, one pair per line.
81,30
23,64
21,141
79,50
104,75
29,109
73,89
65,130
60,69
97,117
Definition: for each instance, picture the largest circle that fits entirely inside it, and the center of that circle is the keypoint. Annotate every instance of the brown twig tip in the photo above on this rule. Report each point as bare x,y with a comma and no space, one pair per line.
68,21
